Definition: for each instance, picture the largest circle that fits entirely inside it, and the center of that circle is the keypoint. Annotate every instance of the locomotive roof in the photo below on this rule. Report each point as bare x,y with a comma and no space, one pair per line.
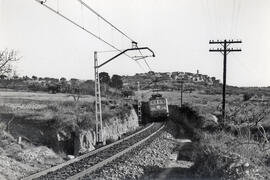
156,96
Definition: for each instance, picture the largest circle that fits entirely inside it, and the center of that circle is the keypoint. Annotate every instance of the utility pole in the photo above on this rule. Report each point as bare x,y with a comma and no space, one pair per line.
181,98
99,134
98,113
225,50
139,103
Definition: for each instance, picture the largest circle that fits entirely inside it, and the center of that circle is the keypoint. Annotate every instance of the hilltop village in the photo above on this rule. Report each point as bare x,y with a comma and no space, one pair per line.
169,77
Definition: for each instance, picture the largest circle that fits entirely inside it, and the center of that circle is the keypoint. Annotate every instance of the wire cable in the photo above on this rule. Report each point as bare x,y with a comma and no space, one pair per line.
95,12
238,15
81,27
233,17
57,5
101,17
89,32
143,57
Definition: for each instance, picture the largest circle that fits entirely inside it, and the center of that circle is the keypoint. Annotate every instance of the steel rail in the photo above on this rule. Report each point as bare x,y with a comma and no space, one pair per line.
55,168
106,161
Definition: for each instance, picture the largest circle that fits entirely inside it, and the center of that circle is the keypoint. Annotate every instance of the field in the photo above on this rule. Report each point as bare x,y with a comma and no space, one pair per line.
47,125
15,96
38,111
42,112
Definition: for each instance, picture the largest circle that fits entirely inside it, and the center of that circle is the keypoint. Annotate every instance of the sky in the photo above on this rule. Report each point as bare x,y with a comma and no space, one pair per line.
178,31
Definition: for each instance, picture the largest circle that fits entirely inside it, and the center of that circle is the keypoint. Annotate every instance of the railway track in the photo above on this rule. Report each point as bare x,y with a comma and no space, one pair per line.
85,164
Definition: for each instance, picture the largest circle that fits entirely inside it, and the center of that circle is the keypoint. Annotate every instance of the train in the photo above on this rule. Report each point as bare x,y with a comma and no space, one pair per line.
157,108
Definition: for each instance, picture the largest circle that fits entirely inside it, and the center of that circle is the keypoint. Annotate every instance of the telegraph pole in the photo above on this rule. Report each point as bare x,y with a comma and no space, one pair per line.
99,128
139,103
225,50
181,98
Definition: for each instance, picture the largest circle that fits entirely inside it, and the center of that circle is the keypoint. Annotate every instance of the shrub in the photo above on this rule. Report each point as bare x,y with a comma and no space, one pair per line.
247,96
127,93
109,141
53,107
34,87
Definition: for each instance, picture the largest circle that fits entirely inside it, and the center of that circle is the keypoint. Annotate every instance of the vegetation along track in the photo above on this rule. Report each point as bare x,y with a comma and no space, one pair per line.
90,162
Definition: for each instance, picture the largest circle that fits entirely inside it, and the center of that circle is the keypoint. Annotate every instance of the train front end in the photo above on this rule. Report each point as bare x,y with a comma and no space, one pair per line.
158,108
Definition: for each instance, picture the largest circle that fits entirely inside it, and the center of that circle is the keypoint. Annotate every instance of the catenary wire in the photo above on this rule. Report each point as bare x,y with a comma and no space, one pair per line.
101,17
81,27
89,32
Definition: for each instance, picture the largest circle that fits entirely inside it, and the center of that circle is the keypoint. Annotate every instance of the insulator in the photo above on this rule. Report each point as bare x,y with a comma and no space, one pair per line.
42,2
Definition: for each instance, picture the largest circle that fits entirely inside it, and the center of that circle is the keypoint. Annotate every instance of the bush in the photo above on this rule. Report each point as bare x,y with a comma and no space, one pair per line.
209,156
127,93
247,96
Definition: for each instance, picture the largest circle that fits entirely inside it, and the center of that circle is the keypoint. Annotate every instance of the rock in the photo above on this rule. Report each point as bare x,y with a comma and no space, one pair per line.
246,165
214,118
116,126
174,156
70,157
84,141
12,169
41,155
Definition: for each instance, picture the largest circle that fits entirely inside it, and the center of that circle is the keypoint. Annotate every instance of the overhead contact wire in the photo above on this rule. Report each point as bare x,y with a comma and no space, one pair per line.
96,13
91,33
76,24
101,17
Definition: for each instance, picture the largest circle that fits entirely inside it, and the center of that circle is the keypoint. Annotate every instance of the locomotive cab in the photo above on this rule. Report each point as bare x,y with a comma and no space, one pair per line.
158,107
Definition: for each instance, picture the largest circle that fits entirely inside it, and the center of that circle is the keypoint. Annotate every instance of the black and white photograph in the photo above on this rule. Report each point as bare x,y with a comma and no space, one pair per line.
134,89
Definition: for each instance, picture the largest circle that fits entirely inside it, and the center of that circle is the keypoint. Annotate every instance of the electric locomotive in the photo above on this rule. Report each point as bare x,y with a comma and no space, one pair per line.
158,108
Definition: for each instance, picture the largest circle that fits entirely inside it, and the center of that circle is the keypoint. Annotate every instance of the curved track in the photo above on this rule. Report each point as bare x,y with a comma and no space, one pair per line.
90,162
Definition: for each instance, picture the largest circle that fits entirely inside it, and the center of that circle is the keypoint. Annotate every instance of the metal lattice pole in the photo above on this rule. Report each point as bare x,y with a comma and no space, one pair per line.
139,104
99,128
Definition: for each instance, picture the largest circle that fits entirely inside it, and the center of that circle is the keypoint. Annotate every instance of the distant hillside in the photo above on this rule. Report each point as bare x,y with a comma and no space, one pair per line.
168,80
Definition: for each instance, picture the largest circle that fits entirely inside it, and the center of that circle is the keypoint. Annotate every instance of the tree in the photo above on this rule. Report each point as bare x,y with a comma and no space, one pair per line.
34,77
88,87
104,77
247,96
25,78
63,79
127,93
6,58
116,81
2,76
15,77
34,86
53,88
